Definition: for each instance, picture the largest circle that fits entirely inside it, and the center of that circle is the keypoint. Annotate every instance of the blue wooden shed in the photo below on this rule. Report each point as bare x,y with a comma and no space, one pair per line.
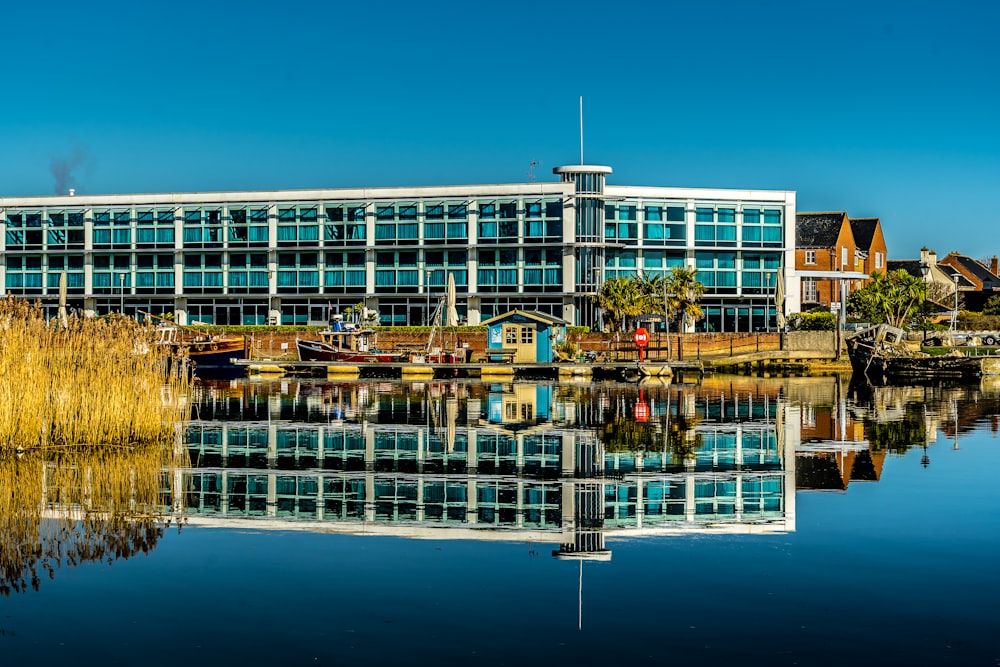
524,336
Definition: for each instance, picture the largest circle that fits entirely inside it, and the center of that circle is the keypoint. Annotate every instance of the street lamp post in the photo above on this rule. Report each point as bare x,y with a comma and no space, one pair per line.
767,302
666,316
925,270
954,313
121,288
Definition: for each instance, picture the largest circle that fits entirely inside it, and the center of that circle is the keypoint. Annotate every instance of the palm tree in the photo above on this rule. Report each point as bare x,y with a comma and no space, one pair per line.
684,293
619,300
892,297
652,288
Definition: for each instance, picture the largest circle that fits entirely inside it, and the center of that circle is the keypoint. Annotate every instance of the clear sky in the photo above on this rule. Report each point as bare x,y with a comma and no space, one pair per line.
886,109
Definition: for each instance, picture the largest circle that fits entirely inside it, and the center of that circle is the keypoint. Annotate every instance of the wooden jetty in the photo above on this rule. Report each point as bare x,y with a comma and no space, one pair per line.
628,371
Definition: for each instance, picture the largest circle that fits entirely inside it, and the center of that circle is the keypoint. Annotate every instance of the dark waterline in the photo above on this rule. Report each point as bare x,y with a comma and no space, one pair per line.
872,557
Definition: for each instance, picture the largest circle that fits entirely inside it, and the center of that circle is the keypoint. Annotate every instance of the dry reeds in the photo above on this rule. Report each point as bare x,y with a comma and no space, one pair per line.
98,382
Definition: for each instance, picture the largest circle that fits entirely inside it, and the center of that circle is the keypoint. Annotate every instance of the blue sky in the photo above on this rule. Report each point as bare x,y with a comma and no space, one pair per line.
886,109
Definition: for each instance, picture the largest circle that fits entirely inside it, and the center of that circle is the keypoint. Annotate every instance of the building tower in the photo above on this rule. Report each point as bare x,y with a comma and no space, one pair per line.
588,242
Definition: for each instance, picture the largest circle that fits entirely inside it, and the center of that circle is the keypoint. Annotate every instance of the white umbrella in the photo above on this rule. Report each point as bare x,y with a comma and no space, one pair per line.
779,299
451,315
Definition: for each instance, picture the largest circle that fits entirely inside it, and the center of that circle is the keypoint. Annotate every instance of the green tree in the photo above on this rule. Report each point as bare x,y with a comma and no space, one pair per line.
619,300
684,293
651,292
992,306
893,298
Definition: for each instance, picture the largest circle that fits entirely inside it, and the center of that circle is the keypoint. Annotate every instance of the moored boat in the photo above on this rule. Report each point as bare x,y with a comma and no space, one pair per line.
210,355
345,343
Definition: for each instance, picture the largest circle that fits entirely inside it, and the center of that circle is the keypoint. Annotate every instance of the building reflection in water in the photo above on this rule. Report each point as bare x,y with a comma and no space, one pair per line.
569,465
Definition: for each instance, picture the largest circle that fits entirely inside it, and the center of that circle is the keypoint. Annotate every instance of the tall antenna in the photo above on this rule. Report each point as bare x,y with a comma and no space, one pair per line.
581,129
531,170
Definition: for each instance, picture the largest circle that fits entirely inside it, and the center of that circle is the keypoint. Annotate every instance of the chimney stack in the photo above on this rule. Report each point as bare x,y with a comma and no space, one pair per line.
928,257
72,192
994,265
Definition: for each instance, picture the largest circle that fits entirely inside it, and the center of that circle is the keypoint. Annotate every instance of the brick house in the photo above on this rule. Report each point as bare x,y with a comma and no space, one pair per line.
870,249
825,242
984,280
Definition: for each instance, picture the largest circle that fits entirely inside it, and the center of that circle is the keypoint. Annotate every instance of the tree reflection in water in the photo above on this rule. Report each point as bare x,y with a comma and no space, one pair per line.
75,507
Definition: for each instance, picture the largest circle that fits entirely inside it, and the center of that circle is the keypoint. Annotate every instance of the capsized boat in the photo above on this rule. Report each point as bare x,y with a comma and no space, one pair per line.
881,353
346,343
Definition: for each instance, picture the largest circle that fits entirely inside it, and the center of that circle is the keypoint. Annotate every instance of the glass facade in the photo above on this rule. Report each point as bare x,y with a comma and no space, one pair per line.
546,247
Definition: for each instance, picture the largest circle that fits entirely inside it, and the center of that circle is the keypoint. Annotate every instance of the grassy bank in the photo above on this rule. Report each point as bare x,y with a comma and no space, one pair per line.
96,382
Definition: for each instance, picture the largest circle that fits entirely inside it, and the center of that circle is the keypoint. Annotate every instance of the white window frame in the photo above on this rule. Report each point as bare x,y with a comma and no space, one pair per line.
810,291
810,256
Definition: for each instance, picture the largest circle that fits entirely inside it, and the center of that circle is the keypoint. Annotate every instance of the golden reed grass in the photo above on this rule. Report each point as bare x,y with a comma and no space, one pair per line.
72,506
96,382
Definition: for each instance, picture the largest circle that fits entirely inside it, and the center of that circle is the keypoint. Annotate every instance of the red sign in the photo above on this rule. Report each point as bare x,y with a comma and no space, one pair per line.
641,337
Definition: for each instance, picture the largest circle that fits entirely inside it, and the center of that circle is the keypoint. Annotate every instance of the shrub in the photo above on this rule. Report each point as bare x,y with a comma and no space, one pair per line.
812,321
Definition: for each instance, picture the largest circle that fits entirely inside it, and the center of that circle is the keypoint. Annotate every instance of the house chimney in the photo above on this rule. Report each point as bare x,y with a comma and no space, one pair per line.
72,192
994,265
931,258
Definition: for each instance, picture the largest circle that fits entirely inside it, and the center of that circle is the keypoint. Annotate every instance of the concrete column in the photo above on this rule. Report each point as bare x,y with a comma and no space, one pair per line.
420,498
320,509
370,269
568,513
369,498
472,454
519,516
369,449
421,445
567,455
224,493
474,304
739,445
471,503
689,498
272,445
640,506
88,264
272,494
176,491
739,497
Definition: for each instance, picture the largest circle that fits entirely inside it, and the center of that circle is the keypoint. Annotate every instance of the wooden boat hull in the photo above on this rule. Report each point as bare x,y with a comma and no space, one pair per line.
314,350
214,359
884,363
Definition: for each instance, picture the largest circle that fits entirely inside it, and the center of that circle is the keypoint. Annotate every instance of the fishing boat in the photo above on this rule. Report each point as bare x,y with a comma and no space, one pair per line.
345,343
210,355
880,353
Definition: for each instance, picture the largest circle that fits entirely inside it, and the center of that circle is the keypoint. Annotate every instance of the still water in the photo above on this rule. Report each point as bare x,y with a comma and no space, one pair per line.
793,521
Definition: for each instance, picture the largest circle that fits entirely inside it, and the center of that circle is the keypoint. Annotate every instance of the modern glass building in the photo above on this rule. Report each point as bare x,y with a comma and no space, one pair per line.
295,256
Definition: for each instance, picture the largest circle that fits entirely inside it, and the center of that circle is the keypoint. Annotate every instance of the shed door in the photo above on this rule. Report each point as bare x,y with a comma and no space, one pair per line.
522,339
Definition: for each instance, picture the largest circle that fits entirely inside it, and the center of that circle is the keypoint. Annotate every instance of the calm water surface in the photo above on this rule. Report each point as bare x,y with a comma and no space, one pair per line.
733,521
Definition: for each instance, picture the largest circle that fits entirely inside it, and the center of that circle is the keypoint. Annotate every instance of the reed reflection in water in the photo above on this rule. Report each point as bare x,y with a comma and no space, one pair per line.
77,506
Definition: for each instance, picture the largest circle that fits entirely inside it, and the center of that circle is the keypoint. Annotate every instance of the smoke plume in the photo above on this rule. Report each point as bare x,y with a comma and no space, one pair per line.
62,168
